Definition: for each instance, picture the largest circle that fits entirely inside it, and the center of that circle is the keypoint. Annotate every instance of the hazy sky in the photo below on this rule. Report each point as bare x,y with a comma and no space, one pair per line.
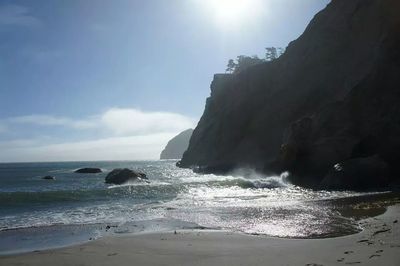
93,80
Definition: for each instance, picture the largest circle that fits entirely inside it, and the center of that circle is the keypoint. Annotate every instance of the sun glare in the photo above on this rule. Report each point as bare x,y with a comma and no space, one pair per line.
233,12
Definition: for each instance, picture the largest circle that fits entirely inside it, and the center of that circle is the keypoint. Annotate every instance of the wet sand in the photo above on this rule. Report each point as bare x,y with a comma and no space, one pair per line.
377,244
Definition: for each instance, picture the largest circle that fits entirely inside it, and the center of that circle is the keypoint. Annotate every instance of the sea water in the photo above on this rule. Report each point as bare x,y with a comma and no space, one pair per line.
245,201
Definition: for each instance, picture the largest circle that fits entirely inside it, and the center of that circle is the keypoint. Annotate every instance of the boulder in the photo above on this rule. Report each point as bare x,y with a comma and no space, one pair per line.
88,171
49,177
121,176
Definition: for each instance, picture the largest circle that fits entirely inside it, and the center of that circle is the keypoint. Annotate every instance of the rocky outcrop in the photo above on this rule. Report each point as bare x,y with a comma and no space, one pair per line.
177,146
333,97
88,171
360,173
121,176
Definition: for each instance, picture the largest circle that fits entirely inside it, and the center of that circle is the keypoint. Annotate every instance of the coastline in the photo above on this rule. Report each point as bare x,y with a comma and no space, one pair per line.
377,244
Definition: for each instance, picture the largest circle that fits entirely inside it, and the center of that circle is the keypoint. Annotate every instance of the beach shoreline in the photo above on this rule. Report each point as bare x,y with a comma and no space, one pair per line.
350,210
377,244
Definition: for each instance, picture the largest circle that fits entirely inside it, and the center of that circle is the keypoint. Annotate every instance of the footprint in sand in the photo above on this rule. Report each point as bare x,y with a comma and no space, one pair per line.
348,252
374,255
340,260
379,251
380,232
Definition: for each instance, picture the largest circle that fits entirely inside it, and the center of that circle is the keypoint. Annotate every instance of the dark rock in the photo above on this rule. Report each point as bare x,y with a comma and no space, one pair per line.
177,146
49,177
88,170
320,103
357,173
120,176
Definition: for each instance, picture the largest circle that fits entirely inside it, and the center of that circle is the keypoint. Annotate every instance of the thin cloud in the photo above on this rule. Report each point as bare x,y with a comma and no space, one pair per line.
116,121
117,148
17,15
48,120
21,143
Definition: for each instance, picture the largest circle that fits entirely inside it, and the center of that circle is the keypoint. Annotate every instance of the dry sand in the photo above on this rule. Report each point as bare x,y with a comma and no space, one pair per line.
377,244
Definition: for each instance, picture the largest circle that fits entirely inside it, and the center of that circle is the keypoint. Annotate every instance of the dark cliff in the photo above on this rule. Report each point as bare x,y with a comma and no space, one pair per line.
333,99
177,145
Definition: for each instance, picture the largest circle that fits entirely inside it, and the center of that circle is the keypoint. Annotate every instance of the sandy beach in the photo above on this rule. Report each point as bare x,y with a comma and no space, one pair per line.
377,244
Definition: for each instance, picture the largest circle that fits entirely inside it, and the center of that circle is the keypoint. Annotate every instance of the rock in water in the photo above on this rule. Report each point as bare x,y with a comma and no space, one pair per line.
121,176
177,146
88,171
332,96
49,177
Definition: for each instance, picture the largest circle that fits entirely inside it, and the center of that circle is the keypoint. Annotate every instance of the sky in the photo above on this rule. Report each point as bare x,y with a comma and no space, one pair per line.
115,80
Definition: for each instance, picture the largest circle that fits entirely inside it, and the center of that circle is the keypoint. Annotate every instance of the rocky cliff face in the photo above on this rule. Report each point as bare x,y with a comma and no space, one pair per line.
333,98
177,145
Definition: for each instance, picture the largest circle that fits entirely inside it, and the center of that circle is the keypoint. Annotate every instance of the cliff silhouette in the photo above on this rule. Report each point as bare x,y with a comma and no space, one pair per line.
327,110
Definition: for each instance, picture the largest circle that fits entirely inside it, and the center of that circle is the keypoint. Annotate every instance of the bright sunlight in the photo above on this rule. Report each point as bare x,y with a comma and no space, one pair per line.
230,13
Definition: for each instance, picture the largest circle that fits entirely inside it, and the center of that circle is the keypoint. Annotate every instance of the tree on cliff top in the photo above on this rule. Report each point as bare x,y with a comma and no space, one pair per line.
230,68
242,62
273,53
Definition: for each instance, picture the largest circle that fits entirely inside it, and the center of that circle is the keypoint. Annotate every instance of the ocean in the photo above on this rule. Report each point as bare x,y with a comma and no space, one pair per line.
37,213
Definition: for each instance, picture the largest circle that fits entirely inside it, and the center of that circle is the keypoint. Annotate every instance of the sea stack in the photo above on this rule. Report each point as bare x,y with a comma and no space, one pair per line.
177,145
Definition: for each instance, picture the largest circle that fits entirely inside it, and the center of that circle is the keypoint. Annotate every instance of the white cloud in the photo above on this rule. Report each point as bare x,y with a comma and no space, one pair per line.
126,134
134,122
117,121
16,15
